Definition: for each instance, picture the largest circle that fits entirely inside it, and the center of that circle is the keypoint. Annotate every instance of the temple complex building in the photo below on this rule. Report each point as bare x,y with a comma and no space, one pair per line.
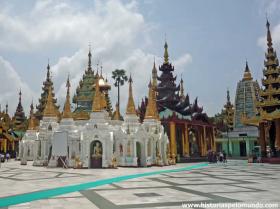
28,142
97,142
19,119
83,97
239,139
9,140
190,132
268,115
42,101
167,128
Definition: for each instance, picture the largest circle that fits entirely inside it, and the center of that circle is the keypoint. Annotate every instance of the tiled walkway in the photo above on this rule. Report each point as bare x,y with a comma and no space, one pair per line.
235,182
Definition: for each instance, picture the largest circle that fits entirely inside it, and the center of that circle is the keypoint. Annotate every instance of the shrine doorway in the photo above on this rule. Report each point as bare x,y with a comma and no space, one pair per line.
193,143
272,139
138,153
242,148
96,154
179,140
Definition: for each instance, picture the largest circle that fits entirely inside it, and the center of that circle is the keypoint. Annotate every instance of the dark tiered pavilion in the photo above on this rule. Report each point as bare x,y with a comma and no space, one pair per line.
189,130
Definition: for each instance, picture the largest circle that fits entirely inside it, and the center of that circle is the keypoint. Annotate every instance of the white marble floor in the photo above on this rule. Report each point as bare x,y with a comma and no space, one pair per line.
236,181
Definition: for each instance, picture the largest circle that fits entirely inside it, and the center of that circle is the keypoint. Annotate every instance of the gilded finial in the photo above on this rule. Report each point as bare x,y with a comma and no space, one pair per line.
117,115
154,74
130,108
20,95
268,36
151,110
7,108
247,74
101,70
97,69
97,100
89,58
228,96
67,106
32,119
166,56
50,110
182,91
48,70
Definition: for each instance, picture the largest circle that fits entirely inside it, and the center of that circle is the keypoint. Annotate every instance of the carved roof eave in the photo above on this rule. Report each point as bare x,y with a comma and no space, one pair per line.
253,121
264,116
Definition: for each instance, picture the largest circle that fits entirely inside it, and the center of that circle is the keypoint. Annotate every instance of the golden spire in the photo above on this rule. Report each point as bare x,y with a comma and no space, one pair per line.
89,58
67,106
247,74
154,74
101,73
7,108
50,110
151,110
268,36
117,115
166,56
32,119
130,108
182,91
97,100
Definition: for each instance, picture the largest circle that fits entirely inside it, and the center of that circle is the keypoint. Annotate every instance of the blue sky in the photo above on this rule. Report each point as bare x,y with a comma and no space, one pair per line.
209,42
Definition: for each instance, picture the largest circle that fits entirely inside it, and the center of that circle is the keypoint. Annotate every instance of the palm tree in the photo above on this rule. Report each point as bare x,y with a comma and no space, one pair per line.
119,76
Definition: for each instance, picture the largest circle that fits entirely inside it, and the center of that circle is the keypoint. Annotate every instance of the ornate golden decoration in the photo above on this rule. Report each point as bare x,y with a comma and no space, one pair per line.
267,103
117,114
32,124
50,110
67,106
247,74
97,101
151,111
130,108
253,121
166,56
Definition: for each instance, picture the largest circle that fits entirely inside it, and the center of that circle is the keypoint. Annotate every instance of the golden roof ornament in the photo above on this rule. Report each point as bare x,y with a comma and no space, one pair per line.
97,100
151,110
130,108
50,110
182,90
67,106
166,56
247,74
154,74
32,119
7,108
268,35
117,114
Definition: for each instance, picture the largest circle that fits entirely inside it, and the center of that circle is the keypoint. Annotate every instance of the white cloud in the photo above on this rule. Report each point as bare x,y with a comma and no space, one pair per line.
181,62
58,23
11,83
114,28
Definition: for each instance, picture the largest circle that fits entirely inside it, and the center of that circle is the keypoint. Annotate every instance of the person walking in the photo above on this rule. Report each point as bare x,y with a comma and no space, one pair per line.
221,157
225,157
7,156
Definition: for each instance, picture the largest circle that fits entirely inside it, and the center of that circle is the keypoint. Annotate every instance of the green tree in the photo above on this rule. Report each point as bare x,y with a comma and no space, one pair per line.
120,78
